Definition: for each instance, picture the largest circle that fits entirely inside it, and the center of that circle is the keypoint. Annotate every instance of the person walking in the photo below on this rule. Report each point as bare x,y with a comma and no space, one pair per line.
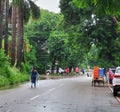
83,71
67,71
110,73
33,77
77,70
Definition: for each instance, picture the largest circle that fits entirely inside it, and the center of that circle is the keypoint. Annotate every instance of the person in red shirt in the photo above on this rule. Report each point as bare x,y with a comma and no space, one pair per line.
77,70
110,73
67,70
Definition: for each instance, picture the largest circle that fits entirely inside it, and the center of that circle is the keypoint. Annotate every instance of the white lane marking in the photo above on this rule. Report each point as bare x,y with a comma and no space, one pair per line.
111,89
51,89
61,85
8,111
34,97
118,99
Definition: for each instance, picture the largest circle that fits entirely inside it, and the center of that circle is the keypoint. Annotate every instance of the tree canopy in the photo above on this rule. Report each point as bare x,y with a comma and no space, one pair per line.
109,7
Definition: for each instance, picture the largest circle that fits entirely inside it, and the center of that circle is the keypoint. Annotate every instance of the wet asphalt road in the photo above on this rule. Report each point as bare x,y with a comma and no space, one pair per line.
62,95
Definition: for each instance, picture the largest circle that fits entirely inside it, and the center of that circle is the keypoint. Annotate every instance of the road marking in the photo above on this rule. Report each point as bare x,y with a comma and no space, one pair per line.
61,85
111,89
51,89
8,111
118,99
34,97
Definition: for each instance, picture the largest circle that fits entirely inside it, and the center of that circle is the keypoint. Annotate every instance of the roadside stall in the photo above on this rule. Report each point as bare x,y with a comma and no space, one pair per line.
98,76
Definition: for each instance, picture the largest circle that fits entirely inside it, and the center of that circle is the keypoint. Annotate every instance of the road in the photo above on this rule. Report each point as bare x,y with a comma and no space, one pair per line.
62,95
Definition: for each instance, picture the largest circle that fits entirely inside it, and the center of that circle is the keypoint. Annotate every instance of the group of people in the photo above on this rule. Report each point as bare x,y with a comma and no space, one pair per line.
77,70
34,75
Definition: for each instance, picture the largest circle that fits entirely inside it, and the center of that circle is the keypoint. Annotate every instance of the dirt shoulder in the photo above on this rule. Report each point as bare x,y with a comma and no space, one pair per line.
45,77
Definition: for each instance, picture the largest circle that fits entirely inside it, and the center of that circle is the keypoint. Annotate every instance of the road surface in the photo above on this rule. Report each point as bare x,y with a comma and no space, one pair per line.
61,95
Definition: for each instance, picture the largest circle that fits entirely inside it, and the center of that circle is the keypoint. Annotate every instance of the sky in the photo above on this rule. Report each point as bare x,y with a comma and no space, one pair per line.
51,5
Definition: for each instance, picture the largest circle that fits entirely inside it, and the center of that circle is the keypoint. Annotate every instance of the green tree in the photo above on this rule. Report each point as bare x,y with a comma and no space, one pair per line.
56,47
23,11
75,18
38,33
98,30
14,30
109,7
1,21
6,26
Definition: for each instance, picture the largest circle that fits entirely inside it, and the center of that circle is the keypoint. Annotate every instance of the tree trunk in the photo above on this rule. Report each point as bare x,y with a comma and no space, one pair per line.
14,29
1,28
6,26
20,37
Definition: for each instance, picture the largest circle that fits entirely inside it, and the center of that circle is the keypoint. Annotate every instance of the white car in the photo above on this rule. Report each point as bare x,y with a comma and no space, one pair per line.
61,71
116,81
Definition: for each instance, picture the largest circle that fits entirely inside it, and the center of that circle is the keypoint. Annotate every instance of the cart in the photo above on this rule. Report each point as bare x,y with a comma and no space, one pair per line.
98,76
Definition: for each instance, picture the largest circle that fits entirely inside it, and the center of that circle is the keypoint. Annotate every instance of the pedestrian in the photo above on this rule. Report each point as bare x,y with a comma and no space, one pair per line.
110,76
87,74
33,77
107,75
83,72
67,70
77,70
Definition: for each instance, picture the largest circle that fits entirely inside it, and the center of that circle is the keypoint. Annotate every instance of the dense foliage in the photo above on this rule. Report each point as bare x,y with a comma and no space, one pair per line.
92,30
8,75
109,7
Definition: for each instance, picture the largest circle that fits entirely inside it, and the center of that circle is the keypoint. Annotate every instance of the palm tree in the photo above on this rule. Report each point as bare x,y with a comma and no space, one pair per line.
24,9
1,28
20,35
13,47
6,26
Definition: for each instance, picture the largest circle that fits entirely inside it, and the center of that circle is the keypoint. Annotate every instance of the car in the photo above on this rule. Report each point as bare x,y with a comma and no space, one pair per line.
116,81
60,70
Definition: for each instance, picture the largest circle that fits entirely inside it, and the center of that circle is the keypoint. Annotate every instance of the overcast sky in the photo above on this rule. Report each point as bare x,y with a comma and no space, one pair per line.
51,5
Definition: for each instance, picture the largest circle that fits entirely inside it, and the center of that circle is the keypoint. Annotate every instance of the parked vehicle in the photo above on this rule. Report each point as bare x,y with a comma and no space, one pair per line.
98,76
116,81
60,70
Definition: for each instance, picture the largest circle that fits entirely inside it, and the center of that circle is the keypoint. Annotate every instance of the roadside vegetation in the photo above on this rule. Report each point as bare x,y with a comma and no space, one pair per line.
10,75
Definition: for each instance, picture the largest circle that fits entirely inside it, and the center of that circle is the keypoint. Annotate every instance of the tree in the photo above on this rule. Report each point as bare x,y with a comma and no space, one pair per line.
56,47
73,14
38,33
109,7
75,18
22,8
14,29
6,26
20,54
1,27
100,30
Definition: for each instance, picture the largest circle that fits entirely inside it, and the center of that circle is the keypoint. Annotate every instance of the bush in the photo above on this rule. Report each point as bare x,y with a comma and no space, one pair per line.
16,76
4,63
3,81
25,68
9,75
